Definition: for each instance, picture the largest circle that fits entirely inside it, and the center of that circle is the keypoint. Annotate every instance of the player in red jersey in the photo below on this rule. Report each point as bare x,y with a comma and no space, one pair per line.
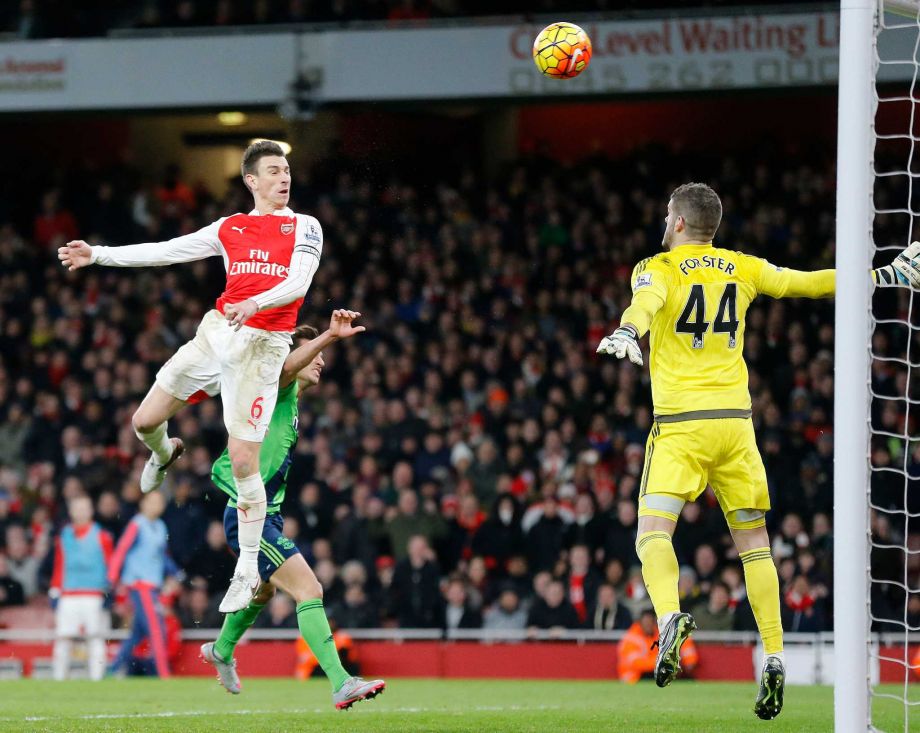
270,255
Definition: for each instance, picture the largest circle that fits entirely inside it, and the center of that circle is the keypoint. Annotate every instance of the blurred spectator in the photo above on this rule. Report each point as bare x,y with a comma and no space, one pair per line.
54,226
500,536
583,581
705,563
197,609
214,562
608,614
553,611
408,521
545,538
485,471
715,614
11,593
636,652
587,529
803,609
457,612
13,432
187,524
109,514
23,562
507,614
280,614
355,610
414,592
176,199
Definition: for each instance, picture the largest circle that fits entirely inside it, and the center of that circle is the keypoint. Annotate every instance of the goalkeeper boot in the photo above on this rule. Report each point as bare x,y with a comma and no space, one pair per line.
243,587
355,689
671,639
154,473
769,701
226,671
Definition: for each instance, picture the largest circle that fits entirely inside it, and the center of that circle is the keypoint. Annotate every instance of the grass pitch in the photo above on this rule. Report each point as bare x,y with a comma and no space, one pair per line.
274,705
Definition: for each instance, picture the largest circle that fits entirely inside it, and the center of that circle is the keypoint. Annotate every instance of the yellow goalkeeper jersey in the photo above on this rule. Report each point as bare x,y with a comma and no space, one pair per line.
693,300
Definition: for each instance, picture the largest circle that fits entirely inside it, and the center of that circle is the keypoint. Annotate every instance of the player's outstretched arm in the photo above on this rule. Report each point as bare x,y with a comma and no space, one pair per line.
340,327
187,248
903,272
778,282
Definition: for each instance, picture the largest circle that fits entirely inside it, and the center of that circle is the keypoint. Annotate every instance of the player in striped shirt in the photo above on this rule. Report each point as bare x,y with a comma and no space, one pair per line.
270,256
280,562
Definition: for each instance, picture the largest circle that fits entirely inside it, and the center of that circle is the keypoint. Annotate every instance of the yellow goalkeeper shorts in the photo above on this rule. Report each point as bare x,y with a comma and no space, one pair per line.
681,458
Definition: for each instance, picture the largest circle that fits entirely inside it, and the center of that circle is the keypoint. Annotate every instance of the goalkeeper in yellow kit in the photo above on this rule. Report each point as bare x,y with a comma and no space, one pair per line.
693,298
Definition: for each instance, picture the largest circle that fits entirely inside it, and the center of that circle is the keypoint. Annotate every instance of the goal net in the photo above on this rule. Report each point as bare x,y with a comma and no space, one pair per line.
892,493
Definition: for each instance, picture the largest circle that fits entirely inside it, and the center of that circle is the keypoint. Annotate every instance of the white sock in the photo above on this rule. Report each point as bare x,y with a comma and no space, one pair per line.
96,654
664,620
158,441
778,655
61,659
250,514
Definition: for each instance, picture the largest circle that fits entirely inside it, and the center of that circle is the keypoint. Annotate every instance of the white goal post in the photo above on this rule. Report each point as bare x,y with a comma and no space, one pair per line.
877,385
855,146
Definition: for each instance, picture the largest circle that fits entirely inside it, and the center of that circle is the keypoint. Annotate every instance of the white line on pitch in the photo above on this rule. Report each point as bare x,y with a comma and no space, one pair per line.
198,713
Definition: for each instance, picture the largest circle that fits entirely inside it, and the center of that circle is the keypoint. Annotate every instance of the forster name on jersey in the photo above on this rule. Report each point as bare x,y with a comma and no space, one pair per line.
693,263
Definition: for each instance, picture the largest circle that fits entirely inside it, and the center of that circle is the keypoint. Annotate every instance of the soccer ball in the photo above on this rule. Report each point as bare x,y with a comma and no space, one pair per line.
562,50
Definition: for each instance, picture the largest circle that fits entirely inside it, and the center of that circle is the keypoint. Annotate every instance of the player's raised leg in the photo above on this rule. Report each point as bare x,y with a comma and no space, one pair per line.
762,583
220,652
660,573
251,368
250,508
297,579
150,426
281,564
740,483
669,465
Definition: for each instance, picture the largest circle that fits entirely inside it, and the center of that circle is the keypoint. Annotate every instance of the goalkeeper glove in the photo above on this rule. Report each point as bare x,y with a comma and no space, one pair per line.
622,342
905,270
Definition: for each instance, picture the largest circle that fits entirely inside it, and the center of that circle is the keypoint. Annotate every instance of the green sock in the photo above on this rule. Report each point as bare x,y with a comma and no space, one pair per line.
235,625
314,628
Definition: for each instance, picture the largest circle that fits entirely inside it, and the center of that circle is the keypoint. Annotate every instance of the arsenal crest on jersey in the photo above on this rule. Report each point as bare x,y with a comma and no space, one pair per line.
287,228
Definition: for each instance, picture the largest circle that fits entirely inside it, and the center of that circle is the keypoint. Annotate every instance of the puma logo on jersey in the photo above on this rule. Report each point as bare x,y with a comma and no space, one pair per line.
238,229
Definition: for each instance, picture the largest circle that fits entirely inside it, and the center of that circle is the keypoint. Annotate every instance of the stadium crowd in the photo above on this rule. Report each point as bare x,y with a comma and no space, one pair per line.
31,19
469,461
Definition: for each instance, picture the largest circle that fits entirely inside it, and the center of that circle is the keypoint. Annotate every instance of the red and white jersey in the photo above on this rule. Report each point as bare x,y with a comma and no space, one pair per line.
269,258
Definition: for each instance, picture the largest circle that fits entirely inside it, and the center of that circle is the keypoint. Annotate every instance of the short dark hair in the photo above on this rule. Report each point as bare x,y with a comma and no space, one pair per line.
305,333
701,208
258,149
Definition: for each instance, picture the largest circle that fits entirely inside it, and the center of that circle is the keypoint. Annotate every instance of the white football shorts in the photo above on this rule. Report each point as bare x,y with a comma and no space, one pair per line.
81,616
243,366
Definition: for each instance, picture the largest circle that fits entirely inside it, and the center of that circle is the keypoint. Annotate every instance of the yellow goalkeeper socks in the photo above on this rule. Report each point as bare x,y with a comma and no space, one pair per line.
659,571
763,592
